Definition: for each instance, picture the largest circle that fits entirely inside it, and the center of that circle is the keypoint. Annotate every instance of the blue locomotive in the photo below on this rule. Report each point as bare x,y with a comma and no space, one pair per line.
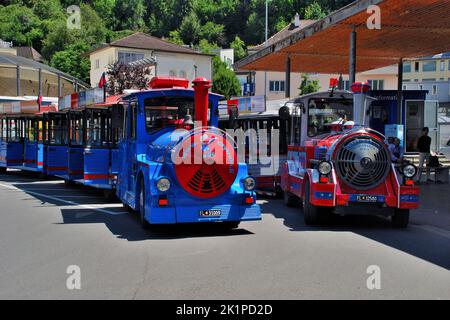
165,126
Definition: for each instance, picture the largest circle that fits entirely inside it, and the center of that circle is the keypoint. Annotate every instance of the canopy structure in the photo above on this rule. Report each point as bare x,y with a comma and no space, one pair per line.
409,29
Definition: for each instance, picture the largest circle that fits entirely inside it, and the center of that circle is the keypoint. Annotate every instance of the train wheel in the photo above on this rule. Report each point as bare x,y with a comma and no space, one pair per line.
144,222
290,200
400,219
3,170
311,212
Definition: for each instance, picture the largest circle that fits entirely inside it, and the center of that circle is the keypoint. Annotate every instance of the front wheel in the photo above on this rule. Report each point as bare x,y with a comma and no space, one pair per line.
144,222
400,219
312,214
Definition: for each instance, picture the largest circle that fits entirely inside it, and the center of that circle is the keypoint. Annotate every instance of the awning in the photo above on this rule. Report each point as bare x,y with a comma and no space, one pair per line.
409,29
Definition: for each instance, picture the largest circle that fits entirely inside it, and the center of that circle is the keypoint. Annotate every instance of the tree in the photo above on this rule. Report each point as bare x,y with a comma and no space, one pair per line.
205,47
72,61
20,25
314,11
239,48
123,76
129,14
308,86
225,81
190,29
174,37
214,33
105,9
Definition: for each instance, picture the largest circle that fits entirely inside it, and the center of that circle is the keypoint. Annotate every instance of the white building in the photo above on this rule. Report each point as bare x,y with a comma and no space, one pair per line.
171,59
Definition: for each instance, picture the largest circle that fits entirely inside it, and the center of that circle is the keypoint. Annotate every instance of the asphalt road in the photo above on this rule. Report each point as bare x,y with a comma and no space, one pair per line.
45,227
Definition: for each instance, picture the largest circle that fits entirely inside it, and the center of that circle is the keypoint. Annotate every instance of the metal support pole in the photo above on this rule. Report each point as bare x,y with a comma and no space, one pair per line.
400,92
40,82
288,77
352,67
59,86
18,80
265,45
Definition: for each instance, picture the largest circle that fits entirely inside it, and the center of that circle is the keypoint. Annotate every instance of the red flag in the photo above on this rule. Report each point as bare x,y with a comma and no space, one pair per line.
102,82
334,82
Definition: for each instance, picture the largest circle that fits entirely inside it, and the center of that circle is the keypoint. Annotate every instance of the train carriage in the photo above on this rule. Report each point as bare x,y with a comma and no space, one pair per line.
268,180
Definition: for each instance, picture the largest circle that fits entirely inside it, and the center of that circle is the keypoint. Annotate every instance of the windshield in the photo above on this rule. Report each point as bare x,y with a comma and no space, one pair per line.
164,112
323,113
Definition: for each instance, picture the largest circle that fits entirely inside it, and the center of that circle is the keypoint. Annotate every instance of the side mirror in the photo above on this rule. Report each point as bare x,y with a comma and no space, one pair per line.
284,113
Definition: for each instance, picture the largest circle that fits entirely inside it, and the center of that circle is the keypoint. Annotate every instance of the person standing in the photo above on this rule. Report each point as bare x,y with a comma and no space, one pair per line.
424,146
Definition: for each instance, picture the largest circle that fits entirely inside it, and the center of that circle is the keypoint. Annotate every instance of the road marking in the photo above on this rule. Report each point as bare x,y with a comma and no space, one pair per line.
438,231
84,206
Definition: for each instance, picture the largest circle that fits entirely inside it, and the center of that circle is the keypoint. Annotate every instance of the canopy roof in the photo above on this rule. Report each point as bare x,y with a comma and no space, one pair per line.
409,29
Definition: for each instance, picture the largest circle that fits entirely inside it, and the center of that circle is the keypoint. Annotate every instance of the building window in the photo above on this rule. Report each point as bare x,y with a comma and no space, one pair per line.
443,65
428,80
417,66
277,86
377,84
420,87
97,63
128,57
407,67
346,85
405,87
172,73
182,74
434,89
429,66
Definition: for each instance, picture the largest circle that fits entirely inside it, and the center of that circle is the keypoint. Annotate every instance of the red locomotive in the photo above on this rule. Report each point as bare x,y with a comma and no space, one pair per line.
338,165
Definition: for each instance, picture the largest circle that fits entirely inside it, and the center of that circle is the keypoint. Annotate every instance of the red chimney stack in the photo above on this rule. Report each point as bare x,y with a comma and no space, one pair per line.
201,89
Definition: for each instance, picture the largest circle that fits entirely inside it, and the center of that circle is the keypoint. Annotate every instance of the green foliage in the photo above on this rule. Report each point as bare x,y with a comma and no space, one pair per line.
212,32
239,48
20,25
190,29
225,81
205,47
206,24
72,61
314,11
174,37
308,86
129,14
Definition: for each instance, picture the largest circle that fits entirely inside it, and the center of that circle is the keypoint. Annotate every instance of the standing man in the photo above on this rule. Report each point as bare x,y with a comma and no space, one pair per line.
424,146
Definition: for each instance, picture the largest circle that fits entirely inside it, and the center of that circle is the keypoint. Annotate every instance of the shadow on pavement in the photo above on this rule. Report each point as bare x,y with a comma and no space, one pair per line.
421,243
127,226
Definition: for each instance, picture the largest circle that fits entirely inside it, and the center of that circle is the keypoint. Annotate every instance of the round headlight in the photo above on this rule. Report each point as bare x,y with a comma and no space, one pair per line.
163,185
249,184
325,168
409,171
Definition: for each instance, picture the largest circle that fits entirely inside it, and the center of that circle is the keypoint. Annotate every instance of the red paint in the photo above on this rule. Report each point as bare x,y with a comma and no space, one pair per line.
168,83
96,176
201,96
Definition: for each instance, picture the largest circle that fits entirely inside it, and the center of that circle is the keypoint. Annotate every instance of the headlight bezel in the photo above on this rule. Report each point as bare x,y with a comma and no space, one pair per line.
325,172
249,181
404,170
163,181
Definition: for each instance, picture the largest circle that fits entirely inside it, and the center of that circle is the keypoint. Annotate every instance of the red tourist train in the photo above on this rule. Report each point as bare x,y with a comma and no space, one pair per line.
337,165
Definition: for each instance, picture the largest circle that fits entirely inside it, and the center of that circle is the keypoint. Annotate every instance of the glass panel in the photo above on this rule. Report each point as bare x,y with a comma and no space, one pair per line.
324,112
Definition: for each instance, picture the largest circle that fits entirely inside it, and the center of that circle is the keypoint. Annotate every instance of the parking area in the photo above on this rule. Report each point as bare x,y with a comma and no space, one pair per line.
46,226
